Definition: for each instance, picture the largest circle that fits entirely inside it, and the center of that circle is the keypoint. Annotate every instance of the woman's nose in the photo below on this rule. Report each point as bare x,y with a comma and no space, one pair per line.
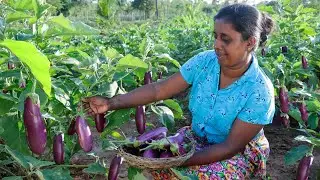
217,44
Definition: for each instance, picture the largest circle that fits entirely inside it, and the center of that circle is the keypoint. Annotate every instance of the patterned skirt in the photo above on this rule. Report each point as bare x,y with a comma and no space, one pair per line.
244,165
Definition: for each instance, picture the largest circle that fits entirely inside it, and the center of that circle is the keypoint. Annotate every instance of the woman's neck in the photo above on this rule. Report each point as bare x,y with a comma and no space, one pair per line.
238,70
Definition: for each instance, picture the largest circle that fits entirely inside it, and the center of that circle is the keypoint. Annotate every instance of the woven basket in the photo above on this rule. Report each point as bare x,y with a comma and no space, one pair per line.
155,163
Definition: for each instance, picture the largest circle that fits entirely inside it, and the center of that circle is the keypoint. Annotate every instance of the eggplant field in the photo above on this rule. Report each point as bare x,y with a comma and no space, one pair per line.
93,89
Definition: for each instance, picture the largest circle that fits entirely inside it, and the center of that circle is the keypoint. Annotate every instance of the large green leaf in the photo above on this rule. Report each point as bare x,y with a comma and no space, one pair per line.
310,140
166,116
37,163
22,5
313,120
95,168
15,16
34,59
59,26
130,61
5,106
132,172
177,111
17,156
56,174
117,118
313,105
14,134
295,154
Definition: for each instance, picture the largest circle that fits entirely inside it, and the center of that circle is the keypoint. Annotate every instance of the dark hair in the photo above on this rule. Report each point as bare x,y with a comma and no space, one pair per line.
248,21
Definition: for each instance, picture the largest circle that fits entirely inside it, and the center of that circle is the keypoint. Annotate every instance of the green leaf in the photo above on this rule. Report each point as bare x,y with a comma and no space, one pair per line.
313,106
15,16
167,58
34,59
56,174
59,26
111,53
61,96
5,106
109,89
166,116
11,73
13,178
146,46
295,154
139,176
117,118
17,156
14,134
130,61
132,172
295,113
177,111
310,140
38,163
313,120
95,168
20,4
108,146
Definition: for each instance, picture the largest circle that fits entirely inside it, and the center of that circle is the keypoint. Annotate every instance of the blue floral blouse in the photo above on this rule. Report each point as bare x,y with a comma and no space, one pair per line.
250,98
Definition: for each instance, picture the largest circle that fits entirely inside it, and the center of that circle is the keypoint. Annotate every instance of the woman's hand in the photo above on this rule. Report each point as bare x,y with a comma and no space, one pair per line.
96,105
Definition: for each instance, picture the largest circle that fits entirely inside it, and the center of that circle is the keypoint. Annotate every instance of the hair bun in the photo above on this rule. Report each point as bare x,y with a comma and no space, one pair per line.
267,25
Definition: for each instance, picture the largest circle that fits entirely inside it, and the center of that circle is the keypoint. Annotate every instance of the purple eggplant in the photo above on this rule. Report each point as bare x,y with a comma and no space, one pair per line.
72,127
304,168
22,84
150,135
147,78
151,153
114,168
58,149
263,52
285,121
5,91
177,138
11,65
140,119
166,154
303,112
100,122
35,127
304,62
160,75
284,49
284,100
84,134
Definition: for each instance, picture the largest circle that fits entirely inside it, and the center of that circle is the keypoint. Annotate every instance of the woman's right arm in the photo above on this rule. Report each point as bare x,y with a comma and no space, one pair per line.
143,95
150,93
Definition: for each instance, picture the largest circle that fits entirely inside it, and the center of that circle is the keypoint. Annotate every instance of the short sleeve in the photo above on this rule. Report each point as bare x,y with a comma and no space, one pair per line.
259,108
193,67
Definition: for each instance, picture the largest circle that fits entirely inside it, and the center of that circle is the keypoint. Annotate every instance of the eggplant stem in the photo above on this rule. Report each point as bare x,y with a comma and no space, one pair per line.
34,85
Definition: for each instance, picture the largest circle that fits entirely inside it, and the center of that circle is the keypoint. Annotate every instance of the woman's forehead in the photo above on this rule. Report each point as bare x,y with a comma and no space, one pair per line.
222,26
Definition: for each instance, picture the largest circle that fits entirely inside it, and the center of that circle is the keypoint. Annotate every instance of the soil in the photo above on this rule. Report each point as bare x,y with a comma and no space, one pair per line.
280,139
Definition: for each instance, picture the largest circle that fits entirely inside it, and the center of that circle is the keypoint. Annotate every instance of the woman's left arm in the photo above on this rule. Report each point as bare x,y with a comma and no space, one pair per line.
240,135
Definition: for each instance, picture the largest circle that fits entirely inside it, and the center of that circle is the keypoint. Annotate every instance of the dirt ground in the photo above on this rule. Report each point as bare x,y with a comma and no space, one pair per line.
280,139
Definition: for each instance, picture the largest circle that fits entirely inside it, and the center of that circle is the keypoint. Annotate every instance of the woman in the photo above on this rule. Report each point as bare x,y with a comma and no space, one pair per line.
231,99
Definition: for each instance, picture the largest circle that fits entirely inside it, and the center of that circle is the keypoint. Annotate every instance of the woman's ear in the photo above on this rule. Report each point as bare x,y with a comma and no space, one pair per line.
251,43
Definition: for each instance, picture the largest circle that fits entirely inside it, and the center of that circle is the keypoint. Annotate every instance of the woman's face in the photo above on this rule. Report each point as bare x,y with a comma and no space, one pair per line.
231,49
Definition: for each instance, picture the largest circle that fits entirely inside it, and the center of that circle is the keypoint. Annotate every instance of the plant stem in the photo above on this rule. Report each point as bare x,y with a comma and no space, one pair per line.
7,171
34,85
74,166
